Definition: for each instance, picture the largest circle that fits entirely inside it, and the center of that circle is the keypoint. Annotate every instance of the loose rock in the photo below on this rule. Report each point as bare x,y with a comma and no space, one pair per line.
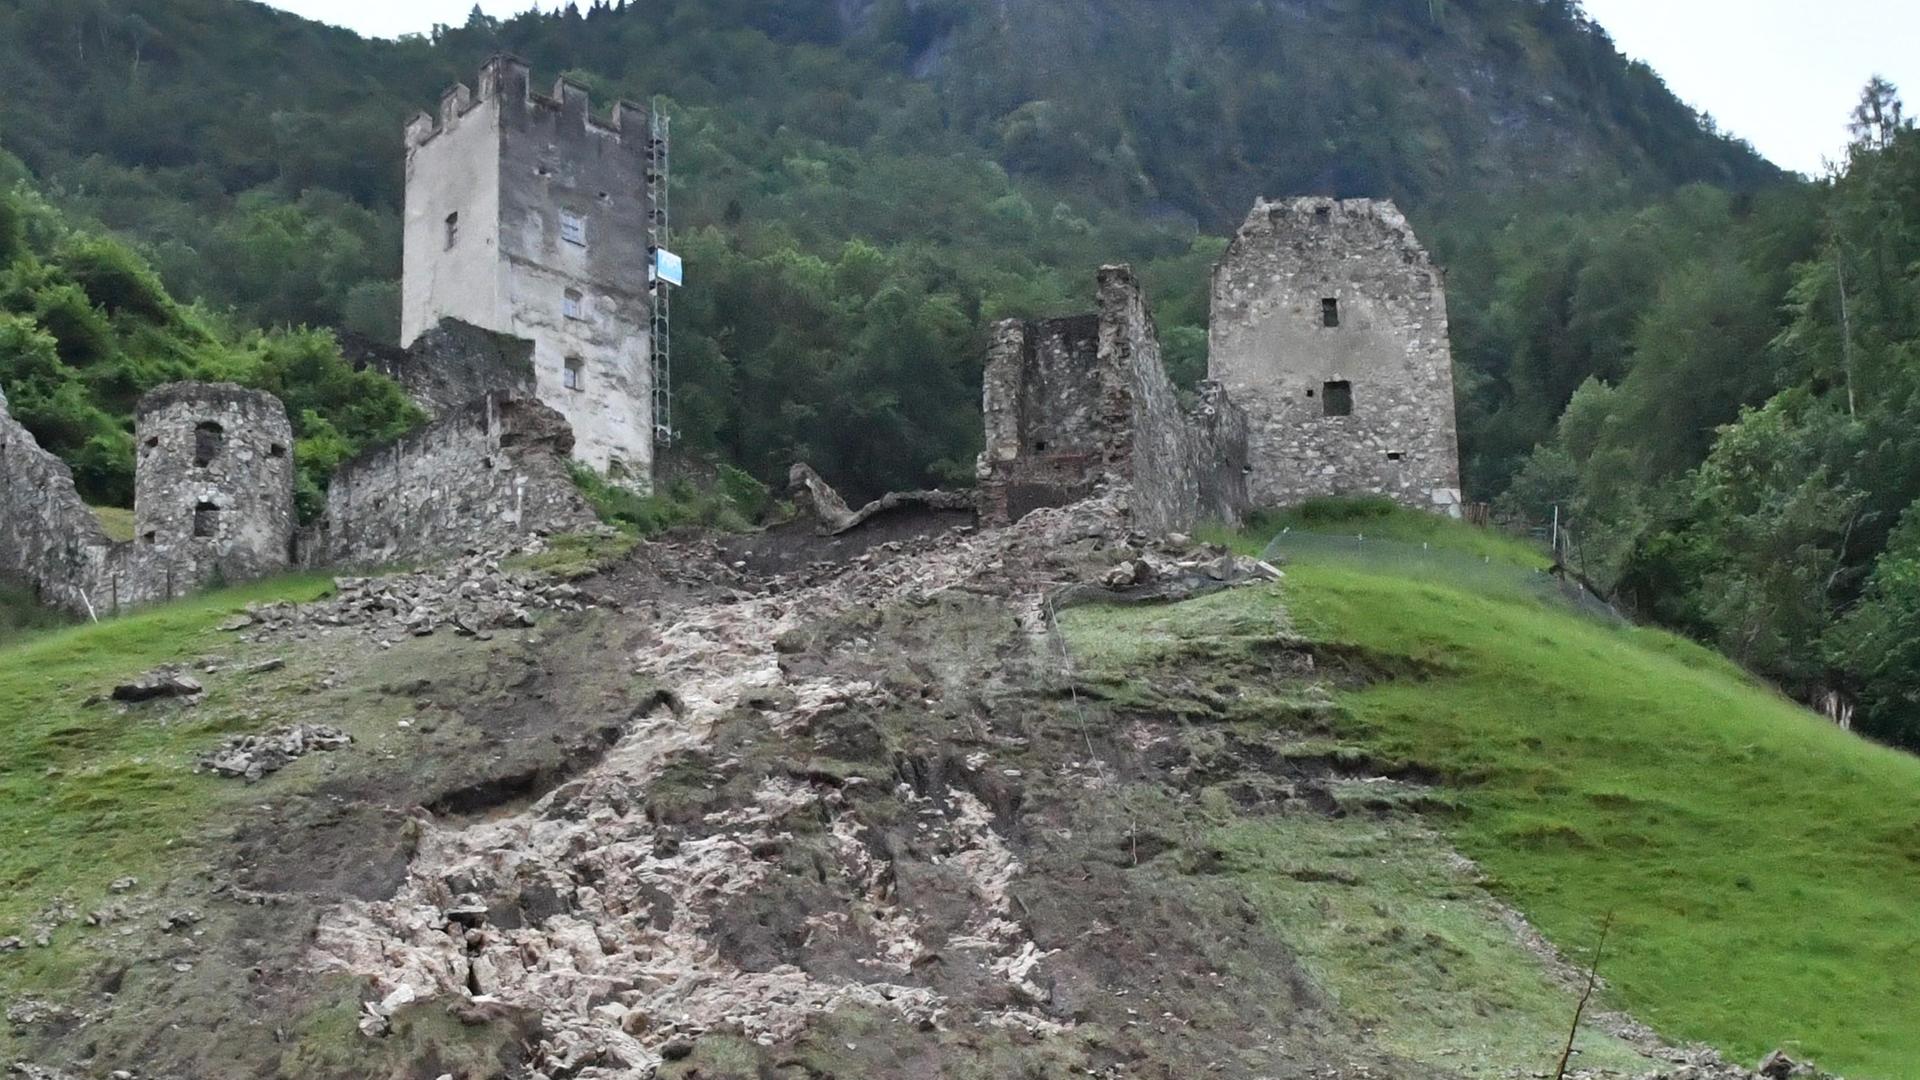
254,756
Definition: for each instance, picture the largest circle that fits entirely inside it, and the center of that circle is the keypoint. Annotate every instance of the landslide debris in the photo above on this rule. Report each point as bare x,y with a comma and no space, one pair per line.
736,809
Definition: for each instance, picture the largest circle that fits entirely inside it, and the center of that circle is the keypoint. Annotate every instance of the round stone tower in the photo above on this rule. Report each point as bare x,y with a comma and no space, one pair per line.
213,480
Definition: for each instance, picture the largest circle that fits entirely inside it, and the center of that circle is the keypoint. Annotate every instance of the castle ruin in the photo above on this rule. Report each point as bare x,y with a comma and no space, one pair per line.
1330,374
213,498
1329,327
213,479
213,502
529,216
1077,403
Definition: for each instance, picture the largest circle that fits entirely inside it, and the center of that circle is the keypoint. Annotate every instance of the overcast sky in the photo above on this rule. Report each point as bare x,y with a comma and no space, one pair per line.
1782,74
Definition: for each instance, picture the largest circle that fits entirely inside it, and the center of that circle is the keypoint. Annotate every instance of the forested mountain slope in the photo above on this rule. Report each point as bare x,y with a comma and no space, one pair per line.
984,156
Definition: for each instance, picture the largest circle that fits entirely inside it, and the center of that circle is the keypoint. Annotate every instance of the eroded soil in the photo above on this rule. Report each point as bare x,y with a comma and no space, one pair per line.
770,811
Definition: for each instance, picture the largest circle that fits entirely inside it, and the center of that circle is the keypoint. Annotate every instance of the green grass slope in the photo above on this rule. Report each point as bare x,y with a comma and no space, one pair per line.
1761,867
90,792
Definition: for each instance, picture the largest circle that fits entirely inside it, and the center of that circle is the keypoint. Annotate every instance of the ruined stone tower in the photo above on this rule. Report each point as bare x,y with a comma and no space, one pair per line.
529,216
1075,405
213,490
1329,329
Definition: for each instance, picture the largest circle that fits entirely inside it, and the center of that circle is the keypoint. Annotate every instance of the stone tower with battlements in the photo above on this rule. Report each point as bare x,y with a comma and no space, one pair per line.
528,215
1329,329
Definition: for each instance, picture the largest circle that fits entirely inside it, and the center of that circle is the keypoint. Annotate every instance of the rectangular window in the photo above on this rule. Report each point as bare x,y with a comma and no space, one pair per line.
453,228
1336,399
206,521
573,305
573,228
1330,312
574,377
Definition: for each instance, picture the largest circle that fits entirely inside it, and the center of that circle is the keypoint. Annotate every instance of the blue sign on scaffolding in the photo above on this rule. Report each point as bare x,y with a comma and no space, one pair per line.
667,267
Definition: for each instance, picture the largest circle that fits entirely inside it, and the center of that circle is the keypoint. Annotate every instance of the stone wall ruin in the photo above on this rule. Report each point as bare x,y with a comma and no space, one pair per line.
213,498
1074,405
1329,327
490,473
449,366
229,520
213,479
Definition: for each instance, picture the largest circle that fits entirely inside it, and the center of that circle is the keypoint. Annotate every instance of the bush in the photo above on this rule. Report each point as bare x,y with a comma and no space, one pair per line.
734,504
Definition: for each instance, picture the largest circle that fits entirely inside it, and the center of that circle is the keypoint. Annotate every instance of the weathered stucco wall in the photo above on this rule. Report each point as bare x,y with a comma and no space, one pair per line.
1075,404
453,167
486,474
520,166
1294,267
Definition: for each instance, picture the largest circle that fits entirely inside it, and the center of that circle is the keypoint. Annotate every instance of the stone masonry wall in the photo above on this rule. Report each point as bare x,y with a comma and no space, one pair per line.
450,365
1049,419
488,473
213,480
1162,445
1296,266
52,543
1075,404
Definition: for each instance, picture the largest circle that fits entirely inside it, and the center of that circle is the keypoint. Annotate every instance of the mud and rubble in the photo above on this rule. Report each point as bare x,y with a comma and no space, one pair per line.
252,757
472,596
755,806
624,944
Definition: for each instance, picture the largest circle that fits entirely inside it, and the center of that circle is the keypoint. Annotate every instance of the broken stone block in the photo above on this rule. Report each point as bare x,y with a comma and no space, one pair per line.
156,685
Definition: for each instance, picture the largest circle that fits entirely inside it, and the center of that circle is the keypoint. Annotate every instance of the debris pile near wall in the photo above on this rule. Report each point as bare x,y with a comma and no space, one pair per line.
473,595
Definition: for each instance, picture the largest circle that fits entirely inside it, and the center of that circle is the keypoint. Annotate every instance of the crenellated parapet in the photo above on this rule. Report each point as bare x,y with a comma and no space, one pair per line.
507,80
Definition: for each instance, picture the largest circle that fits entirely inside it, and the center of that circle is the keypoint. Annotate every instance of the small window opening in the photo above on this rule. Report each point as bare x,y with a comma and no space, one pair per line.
206,521
153,441
1395,455
573,228
208,437
276,450
1323,215
1040,447
574,377
1330,312
151,538
1310,392
453,228
1337,399
574,304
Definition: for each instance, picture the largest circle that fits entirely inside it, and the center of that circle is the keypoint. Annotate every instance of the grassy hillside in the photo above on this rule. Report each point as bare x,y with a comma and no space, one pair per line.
1760,866
79,777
